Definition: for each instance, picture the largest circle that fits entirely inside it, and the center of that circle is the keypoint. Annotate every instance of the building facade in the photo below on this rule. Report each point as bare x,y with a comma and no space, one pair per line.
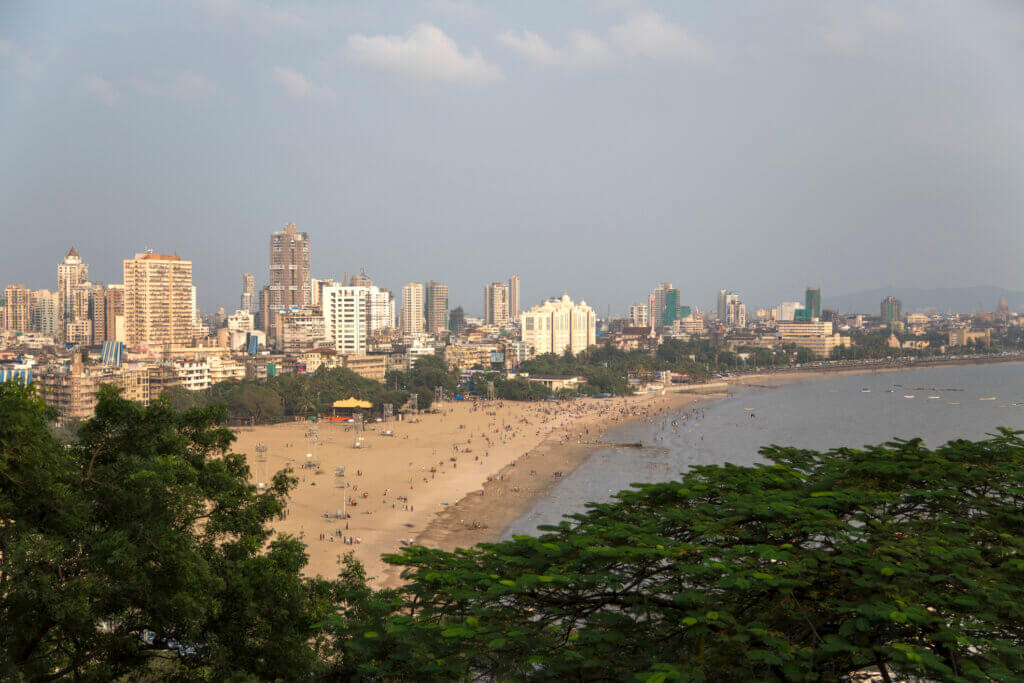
435,307
496,304
17,312
157,300
559,325
411,317
345,318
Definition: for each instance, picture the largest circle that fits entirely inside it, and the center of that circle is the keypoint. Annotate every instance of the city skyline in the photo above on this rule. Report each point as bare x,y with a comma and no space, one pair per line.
857,141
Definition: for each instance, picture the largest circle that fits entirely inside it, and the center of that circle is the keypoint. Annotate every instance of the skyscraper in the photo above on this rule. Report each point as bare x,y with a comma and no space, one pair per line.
435,307
665,310
248,302
411,316
457,320
812,302
496,304
890,309
725,298
289,268
16,312
44,313
157,300
513,298
71,273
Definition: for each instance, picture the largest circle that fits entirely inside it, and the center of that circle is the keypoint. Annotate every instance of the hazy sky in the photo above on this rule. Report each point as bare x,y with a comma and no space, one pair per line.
593,147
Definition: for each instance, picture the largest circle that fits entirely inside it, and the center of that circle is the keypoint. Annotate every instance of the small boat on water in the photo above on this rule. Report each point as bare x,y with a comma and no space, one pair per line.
908,396
987,398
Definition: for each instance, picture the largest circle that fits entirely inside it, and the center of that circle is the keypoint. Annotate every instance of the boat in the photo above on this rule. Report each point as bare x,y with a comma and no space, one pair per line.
987,398
908,396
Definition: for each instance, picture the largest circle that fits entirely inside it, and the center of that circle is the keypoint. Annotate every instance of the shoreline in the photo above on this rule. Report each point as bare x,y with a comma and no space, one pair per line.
515,489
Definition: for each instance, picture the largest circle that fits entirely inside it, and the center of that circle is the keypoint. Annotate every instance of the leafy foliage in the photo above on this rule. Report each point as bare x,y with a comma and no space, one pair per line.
141,546
896,558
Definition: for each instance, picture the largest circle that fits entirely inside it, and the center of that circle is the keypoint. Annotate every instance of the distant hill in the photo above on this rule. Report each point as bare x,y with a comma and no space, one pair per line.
944,300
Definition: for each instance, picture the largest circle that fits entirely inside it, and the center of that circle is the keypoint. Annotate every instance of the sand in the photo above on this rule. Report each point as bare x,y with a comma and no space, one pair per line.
447,480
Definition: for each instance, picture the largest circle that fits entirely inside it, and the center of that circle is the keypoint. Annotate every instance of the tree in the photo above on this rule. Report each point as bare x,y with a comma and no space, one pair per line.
895,558
140,546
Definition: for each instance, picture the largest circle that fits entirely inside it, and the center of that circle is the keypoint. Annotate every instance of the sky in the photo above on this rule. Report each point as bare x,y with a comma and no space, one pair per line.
594,148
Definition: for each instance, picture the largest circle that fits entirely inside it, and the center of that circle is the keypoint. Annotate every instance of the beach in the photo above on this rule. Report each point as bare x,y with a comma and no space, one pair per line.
446,479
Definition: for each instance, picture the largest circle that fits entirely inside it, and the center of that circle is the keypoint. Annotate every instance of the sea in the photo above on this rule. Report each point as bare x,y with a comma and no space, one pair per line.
937,404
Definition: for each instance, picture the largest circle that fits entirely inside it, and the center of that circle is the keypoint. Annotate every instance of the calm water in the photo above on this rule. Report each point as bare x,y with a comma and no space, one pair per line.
819,414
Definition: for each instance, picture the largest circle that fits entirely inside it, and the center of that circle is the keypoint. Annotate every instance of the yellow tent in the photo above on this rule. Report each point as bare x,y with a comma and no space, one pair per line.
352,403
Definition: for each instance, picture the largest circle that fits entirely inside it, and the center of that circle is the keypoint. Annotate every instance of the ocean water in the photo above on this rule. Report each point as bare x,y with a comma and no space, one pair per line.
819,414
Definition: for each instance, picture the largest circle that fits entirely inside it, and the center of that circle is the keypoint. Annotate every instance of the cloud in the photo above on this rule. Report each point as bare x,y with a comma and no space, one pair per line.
183,85
583,49
650,35
645,34
455,9
100,88
850,37
298,87
425,54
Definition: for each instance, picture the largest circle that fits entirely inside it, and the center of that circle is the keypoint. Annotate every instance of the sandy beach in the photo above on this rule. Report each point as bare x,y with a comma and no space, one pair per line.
448,479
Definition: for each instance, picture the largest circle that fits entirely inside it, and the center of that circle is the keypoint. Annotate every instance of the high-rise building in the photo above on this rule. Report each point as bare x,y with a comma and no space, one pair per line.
98,314
71,273
812,301
513,298
496,304
663,308
435,307
290,283
725,298
345,317
17,309
380,309
411,316
44,313
639,315
890,309
248,302
457,321
114,305
158,306
559,325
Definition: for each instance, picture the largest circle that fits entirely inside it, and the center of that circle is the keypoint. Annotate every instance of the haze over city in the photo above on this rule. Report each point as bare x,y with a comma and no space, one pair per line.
755,147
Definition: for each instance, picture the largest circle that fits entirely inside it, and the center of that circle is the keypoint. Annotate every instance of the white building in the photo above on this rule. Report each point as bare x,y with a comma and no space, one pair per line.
417,350
559,325
412,321
193,374
345,317
639,315
242,321
380,310
787,310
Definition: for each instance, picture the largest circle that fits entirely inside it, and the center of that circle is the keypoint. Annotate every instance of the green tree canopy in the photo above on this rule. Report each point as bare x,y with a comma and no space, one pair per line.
896,558
140,547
